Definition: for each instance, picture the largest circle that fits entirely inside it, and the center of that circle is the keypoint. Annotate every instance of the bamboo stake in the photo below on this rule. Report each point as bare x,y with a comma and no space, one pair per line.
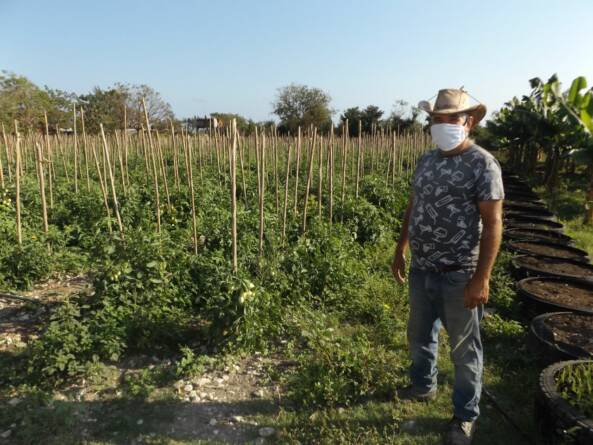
241,150
7,148
122,172
262,158
42,189
126,144
19,235
298,166
175,156
286,193
190,183
102,186
331,174
258,164
184,143
144,151
50,171
320,176
61,152
309,179
233,162
344,159
163,170
75,151
275,153
393,154
85,150
2,172
359,156
216,148
155,174
112,182
200,160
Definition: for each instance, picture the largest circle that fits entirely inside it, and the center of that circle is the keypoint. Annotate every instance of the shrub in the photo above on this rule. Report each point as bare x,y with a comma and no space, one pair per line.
65,346
24,265
343,369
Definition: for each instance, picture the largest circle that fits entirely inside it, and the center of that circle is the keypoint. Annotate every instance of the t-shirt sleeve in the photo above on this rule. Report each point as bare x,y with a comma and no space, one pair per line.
417,169
489,186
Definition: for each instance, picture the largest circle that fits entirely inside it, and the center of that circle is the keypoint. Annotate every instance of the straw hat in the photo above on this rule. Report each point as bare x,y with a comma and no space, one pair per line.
452,101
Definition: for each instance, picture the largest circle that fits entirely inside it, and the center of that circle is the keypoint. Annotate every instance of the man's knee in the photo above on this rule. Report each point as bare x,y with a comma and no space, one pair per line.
468,354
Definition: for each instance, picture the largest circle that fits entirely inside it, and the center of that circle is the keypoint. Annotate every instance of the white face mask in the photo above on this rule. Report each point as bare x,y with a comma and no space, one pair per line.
447,136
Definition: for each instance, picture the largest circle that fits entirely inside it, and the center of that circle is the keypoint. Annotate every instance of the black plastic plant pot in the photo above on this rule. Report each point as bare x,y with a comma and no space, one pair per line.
511,177
530,212
510,198
537,235
548,250
521,188
557,420
527,265
528,222
508,172
514,180
551,294
521,206
521,196
557,336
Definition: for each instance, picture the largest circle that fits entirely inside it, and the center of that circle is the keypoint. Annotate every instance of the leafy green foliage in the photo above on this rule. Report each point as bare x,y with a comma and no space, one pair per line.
342,369
24,265
64,348
302,106
575,383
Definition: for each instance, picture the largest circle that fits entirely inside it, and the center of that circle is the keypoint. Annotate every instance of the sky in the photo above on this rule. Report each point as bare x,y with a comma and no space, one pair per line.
233,56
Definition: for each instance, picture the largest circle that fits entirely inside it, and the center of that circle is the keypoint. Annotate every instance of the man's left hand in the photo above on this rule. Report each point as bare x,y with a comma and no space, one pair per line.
476,292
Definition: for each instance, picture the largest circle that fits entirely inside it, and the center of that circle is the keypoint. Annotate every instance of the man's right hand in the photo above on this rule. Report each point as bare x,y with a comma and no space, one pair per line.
398,267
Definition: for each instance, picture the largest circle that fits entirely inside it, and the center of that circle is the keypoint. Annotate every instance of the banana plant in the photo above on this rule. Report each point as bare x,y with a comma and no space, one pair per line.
580,107
555,130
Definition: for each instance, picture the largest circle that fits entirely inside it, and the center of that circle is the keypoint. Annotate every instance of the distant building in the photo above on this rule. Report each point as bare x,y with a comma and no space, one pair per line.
203,124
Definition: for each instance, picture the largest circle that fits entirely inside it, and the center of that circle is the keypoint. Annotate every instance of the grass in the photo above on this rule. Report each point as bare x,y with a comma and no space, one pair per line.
568,203
373,331
348,360
510,375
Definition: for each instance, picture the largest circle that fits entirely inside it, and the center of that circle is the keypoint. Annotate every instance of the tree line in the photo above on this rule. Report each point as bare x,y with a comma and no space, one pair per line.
120,106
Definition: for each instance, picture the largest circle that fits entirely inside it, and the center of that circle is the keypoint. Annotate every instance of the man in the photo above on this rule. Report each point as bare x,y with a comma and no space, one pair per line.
453,225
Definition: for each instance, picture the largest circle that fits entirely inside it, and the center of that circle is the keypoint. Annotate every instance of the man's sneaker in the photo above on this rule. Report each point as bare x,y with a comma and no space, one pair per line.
416,394
460,432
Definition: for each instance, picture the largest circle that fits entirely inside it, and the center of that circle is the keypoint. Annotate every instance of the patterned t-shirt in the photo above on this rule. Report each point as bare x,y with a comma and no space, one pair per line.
445,224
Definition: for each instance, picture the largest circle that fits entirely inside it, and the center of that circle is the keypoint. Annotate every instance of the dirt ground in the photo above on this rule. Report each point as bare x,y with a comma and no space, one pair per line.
221,405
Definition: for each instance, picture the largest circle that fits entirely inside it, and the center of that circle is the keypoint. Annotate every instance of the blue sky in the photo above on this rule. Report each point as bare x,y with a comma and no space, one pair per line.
232,56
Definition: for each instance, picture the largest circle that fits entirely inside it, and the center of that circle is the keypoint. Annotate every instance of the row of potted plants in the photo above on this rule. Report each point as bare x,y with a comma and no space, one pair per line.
555,285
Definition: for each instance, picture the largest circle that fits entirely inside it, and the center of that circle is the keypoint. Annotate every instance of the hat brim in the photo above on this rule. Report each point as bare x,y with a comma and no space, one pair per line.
477,111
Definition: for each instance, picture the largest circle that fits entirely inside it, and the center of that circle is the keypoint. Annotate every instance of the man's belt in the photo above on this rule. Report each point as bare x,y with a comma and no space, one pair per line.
449,267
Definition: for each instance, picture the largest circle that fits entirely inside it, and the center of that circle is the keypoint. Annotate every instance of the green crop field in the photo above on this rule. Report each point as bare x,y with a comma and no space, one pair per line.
233,285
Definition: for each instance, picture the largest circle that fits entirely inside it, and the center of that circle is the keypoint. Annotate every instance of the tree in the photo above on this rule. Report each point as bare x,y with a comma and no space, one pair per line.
108,106
104,107
352,115
59,113
550,122
245,126
404,117
302,106
371,117
579,108
22,100
159,112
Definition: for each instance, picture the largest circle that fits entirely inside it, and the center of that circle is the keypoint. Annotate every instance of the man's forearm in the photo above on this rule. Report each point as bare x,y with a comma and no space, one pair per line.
402,243
489,246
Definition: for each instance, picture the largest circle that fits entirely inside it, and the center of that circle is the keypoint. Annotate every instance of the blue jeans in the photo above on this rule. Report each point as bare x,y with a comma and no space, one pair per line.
437,298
